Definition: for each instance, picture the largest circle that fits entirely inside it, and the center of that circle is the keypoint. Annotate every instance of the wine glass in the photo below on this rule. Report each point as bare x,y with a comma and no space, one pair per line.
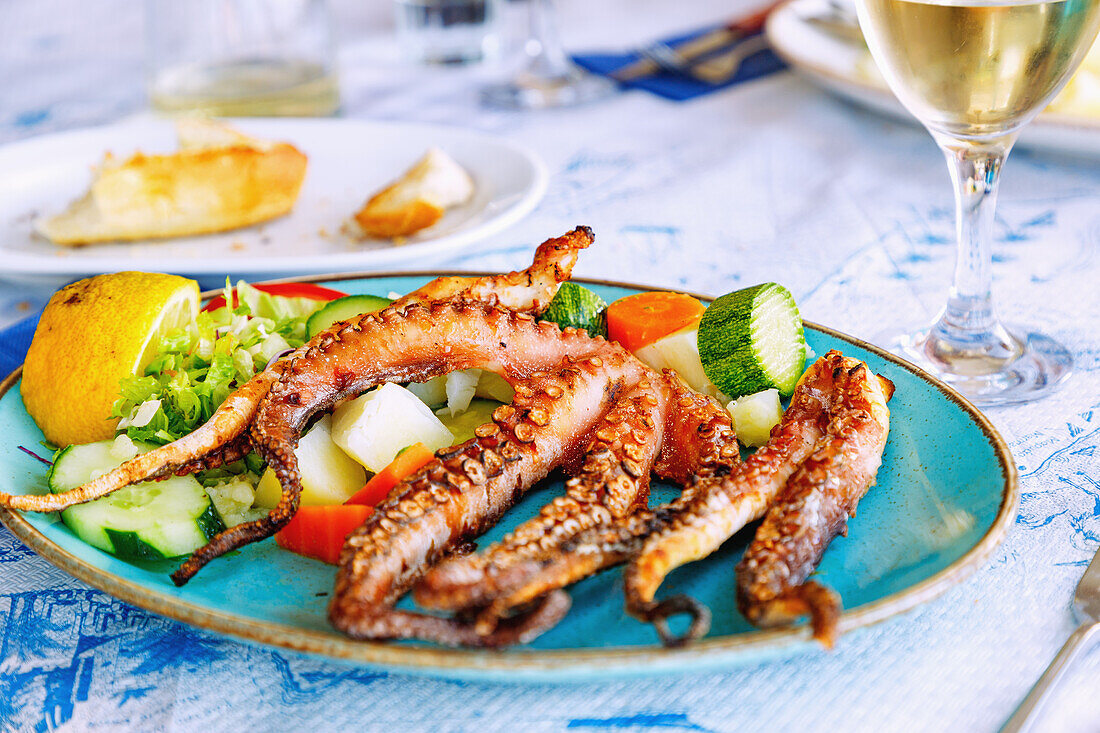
548,78
974,72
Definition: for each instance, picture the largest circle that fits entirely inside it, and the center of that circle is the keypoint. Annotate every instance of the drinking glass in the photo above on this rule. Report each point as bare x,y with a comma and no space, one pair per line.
241,57
548,77
974,72
448,32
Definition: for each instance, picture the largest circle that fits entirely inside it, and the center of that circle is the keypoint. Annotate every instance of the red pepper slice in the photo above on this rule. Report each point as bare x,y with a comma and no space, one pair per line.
319,531
286,290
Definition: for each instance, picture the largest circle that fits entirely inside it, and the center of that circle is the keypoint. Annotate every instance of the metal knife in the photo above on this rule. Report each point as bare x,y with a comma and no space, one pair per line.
700,46
1086,602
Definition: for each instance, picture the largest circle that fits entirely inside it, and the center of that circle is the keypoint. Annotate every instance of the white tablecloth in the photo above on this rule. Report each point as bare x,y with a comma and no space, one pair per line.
773,180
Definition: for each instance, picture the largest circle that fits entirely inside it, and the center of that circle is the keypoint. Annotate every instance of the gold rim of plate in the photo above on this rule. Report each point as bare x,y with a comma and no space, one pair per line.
579,662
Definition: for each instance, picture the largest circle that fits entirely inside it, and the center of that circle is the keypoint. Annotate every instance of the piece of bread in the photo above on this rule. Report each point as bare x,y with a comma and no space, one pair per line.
417,199
220,179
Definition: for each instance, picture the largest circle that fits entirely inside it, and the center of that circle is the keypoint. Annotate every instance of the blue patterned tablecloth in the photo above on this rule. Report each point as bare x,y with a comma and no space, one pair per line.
769,180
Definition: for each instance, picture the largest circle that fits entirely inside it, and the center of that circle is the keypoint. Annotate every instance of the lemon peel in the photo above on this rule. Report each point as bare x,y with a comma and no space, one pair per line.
92,334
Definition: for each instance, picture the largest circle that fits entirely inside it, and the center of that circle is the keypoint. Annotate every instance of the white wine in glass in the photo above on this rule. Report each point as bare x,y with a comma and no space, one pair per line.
974,73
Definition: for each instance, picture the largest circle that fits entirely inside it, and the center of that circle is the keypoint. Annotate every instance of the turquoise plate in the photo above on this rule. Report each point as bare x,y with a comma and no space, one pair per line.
946,494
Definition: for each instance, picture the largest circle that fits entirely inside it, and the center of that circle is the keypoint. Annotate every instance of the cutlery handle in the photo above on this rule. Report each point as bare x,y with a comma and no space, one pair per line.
1022,719
753,23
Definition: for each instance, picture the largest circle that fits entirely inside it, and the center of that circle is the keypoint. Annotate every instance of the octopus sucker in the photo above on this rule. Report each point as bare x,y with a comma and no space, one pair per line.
613,481
582,404
699,440
401,344
392,549
814,507
525,291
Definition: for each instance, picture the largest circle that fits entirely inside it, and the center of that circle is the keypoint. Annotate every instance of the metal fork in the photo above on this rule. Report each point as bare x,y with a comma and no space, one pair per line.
724,66
1086,602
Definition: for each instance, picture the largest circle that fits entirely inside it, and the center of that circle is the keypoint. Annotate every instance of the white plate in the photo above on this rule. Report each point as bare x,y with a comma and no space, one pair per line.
838,63
348,161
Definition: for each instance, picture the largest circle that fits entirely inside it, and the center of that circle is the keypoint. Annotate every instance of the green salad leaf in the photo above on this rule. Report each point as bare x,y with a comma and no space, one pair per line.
197,366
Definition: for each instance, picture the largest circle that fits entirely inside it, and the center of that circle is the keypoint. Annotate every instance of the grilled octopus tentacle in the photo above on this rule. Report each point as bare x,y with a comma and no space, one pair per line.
699,437
813,508
698,440
464,492
234,450
612,482
395,345
226,425
711,508
722,505
528,291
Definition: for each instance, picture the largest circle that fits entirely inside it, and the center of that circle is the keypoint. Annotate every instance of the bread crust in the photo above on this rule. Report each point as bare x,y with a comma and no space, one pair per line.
418,199
377,219
193,191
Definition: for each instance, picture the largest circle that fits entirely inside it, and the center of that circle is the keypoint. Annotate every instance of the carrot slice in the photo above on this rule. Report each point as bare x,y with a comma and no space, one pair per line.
320,531
639,320
378,487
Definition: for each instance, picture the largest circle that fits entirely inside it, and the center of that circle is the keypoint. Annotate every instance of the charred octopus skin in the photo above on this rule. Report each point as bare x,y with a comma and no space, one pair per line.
837,415
664,427
224,436
464,491
814,507
581,403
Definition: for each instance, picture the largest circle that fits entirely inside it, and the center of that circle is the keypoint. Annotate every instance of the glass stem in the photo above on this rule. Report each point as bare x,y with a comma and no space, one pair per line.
547,57
968,326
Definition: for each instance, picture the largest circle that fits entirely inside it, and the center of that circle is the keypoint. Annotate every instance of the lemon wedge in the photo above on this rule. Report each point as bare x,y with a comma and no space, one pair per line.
92,334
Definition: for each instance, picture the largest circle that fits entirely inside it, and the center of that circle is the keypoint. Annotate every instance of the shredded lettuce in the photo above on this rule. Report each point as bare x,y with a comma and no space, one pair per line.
197,366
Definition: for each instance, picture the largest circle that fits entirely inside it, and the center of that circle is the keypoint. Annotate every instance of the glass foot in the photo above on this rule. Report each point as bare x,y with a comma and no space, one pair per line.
1019,366
528,91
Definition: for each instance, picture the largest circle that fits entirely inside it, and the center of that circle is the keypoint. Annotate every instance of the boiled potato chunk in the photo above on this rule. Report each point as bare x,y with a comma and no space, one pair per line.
492,386
432,393
372,428
680,352
463,424
754,416
455,391
329,475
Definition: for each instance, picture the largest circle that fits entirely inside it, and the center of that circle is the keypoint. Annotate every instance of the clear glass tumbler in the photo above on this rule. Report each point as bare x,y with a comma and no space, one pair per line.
548,78
447,31
241,57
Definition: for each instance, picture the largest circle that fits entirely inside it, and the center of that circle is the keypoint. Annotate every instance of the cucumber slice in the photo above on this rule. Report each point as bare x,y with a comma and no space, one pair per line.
751,340
578,307
342,309
147,521
79,464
